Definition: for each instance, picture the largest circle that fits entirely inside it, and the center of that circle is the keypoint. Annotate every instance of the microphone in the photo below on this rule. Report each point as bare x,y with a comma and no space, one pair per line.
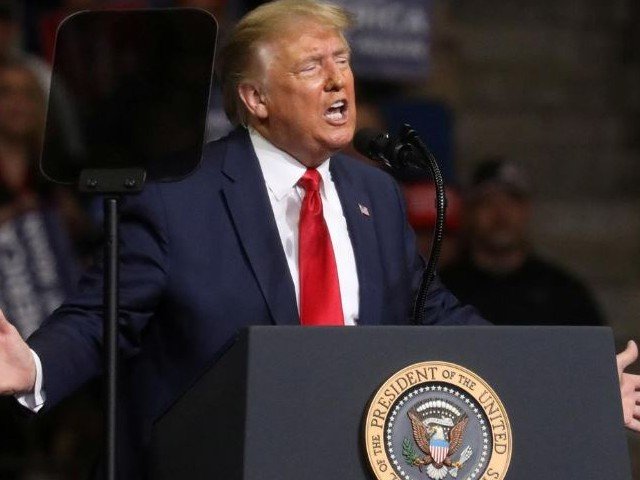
407,150
382,147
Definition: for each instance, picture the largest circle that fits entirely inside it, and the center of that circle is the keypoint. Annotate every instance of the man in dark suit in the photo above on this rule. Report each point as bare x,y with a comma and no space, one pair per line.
230,246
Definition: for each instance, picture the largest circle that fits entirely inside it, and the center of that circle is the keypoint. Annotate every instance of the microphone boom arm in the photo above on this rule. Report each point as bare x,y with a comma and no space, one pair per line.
425,159
407,150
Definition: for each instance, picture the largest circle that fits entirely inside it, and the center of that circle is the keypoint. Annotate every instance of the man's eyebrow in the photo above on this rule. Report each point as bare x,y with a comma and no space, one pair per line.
312,57
317,56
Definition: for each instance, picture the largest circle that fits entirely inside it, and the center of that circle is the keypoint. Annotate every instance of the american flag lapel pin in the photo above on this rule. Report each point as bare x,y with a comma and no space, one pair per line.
364,210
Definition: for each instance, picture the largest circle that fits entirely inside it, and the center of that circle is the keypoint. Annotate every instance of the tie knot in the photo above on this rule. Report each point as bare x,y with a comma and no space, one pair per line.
310,181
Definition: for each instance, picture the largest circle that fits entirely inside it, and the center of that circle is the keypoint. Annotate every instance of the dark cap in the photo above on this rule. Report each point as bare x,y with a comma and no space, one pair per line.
498,172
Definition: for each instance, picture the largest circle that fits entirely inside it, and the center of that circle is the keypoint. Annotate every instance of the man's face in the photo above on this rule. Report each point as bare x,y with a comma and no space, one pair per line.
498,221
21,103
307,93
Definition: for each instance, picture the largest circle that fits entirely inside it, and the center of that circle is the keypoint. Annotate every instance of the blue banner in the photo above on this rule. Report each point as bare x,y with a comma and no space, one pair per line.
392,38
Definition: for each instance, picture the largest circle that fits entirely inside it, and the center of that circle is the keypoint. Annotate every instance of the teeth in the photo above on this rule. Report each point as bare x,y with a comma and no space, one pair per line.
336,112
334,115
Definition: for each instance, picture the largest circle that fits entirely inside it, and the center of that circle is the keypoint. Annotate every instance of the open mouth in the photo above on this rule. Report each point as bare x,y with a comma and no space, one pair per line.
337,112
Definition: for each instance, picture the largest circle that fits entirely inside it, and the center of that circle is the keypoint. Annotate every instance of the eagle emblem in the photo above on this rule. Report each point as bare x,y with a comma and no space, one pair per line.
438,430
434,421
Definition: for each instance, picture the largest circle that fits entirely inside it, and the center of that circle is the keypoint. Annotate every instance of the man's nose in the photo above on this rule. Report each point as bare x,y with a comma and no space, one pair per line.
335,77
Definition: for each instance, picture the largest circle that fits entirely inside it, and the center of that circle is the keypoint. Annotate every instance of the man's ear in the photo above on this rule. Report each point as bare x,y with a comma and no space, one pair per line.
253,100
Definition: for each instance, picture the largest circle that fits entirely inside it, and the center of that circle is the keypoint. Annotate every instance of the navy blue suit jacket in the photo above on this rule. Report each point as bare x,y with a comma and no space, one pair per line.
202,258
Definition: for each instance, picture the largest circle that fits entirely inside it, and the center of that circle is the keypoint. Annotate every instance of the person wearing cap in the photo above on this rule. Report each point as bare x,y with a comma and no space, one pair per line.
499,271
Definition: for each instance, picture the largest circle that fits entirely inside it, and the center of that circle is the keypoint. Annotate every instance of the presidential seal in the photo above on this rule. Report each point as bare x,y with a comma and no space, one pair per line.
437,420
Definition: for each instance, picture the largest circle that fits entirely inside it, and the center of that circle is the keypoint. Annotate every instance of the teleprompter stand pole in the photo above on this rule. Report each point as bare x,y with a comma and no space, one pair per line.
111,332
114,184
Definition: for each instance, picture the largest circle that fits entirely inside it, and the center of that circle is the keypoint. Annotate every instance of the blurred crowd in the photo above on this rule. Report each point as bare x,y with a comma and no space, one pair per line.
48,232
489,259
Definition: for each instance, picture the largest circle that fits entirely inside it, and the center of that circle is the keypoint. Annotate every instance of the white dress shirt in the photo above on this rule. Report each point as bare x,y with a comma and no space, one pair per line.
281,173
34,401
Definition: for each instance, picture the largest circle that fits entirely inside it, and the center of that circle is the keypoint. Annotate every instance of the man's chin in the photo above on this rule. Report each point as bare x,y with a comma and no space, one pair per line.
503,246
340,141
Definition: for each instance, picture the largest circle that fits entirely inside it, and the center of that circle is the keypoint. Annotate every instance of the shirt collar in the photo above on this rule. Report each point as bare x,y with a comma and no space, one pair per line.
280,170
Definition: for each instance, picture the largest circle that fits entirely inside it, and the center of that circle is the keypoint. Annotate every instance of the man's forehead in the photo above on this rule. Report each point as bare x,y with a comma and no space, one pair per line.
310,41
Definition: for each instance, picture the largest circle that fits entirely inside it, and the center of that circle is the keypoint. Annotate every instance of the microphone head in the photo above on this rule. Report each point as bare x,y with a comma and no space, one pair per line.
370,142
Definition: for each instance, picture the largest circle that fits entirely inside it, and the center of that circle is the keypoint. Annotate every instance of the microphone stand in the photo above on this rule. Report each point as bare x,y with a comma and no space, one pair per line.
410,151
425,157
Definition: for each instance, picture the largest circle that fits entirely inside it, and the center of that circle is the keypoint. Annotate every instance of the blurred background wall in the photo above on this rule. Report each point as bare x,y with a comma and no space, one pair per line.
554,85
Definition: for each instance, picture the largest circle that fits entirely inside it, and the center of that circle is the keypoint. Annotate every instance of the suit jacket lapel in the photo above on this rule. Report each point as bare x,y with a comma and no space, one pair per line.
248,202
355,202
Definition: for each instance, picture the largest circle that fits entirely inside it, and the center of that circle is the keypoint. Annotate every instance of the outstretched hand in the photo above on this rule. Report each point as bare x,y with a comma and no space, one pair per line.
17,366
629,387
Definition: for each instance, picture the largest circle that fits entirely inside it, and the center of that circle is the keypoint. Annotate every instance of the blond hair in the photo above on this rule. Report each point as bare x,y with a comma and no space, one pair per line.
262,25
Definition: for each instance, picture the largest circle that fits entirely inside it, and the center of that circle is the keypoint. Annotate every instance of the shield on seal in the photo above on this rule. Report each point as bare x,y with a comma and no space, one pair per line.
439,449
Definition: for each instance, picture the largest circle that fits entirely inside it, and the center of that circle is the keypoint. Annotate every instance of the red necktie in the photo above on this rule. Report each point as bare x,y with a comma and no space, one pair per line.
320,302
